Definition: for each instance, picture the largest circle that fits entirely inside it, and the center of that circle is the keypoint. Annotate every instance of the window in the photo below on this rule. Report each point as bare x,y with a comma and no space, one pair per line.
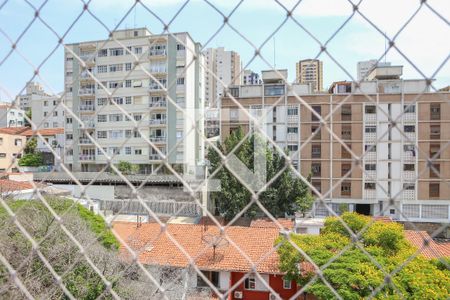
180,81
409,108
370,148
292,148
137,117
115,84
128,100
69,136
46,125
45,113
250,283
409,186
315,130
137,50
2,155
127,66
292,111
136,134
103,53
316,169
180,47
128,150
45,104
137,151
370,167
409,167
317,184
128,83
345,153
115,150
345,168
371,129
287,284
346,112
435,111
409,128
435,170
369,185
435,132
316,150
102,134
116,68
434,150
292,130
116,118
346,188
55,125
116,51
370,109
274,90
102,101
101,118
18,142
434,189
118,100
346,132
317,109
55,113
102,69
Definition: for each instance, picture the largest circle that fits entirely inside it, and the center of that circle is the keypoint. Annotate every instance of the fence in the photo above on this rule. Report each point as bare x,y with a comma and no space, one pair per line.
52,248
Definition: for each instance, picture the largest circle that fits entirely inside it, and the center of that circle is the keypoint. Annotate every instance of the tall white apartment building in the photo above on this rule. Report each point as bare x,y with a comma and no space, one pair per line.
33,90
170,60
251,78
47,112
10,116
226,66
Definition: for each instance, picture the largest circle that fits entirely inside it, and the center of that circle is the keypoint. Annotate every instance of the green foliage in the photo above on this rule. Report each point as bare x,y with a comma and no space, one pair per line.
31,160
285,195
354,275
30,147
127,168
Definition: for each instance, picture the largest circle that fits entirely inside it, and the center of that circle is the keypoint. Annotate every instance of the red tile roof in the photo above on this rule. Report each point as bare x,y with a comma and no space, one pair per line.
13,130
7,185
268,223
43,132
155,247
433,250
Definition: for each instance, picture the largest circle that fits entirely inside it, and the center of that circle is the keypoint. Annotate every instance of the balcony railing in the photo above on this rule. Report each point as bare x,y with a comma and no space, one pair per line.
409,194
155,157
158,104
87,157
87,107
159,52
85,141
86,92
157,87
157,139
157,121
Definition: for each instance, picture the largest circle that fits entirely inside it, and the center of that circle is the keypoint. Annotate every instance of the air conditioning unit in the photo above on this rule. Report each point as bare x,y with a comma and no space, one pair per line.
238,295
273,296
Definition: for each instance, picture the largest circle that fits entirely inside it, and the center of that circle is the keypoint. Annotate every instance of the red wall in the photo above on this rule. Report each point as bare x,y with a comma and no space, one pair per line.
275,282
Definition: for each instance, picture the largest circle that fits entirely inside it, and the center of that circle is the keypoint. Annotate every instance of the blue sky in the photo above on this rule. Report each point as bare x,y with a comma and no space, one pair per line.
424,41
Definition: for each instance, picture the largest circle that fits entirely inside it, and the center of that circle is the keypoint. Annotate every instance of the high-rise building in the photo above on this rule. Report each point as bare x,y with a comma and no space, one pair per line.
33,90
364,68
47,112
251,78
393,177
11,116
169,58
226,67
310,71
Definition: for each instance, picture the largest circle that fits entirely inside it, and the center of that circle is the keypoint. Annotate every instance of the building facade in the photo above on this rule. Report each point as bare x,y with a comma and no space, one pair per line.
226,67
251,78
169,59
11,147
394,178
33,91
10,116
310,71
364,68
47,112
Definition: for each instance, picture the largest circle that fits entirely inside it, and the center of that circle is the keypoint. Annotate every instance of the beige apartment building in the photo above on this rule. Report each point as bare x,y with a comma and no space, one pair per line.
11,146
310,71
392,176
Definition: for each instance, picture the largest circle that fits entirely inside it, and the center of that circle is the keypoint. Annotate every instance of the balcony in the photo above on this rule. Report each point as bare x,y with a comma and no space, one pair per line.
157,121
158,104
86,92
85,141
158,139
87,157
157,71
86,76
155,156
409,194
87,107
157,52
88,124
157,87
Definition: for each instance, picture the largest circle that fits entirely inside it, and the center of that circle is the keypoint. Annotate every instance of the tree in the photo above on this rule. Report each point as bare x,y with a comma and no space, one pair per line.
30,147
31,160
127,168
77,275
285,195
353,275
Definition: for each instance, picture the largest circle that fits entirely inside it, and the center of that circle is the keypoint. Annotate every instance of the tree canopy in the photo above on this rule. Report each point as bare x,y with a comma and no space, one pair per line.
285,195
354,275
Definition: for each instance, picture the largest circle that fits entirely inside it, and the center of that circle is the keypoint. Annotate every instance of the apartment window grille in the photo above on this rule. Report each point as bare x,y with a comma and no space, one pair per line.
369,186
137,117
2,155
102,101
136,134
118,100
55,113
234,92
316,150
128,133
45,104
46,125
317,184
434,211
138,50
102,69
409,167
18,142
435,111
435,132
116,68
346,112
103,52
45,113
116,118
370,167
409,128
292,111
102,134
128,67
180,81
69,136
435,170
434,189
128,83
234,114
317,109
128,100
292,130
316,169
116,51
180,47
115,150
127,150
346,188
370,109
